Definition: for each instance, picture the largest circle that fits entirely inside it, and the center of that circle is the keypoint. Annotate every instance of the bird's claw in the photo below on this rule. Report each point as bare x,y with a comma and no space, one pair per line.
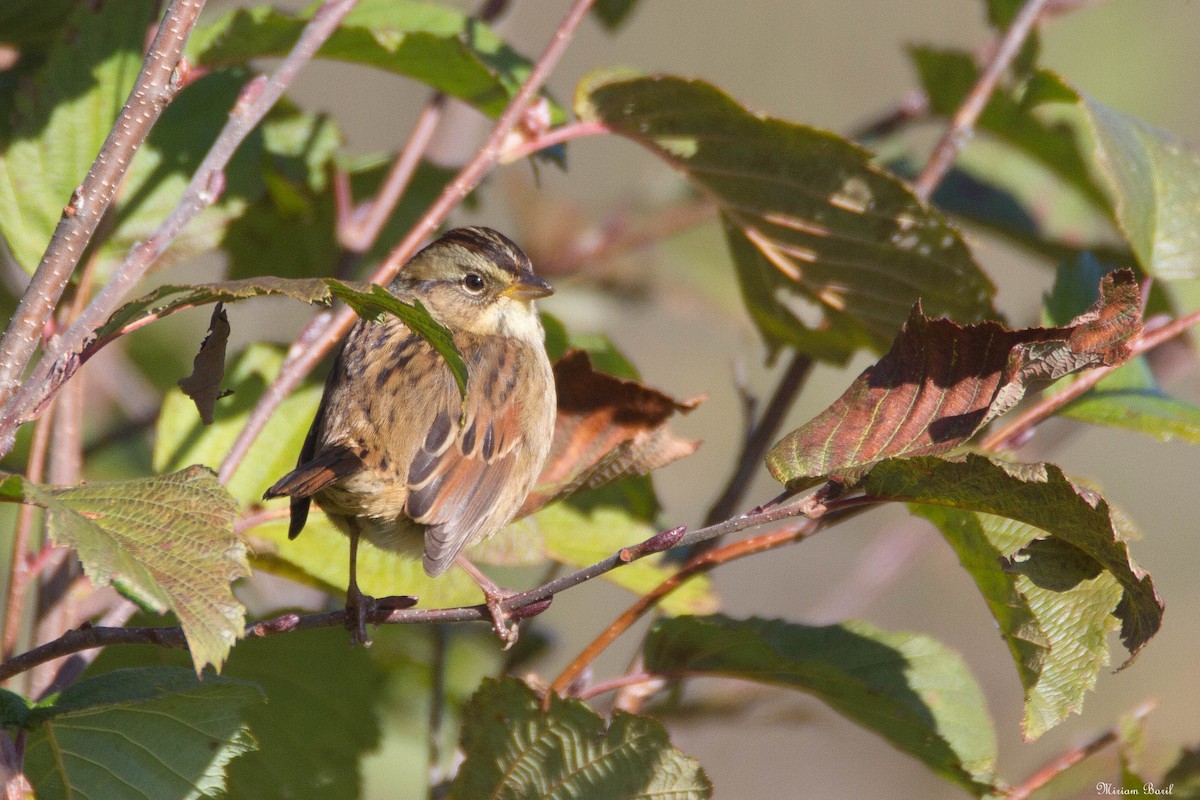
502,622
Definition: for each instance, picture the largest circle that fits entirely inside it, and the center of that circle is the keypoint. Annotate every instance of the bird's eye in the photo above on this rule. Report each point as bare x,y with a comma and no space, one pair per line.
473,283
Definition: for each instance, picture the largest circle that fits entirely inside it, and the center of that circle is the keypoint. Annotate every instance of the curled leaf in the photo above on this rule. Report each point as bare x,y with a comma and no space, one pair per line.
607,428
208,368
941,382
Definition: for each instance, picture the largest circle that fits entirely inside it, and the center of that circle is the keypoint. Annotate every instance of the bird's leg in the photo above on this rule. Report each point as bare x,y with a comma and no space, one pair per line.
494,596
357,603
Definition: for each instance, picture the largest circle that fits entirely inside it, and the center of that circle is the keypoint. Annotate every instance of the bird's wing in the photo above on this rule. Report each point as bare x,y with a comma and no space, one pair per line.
458,476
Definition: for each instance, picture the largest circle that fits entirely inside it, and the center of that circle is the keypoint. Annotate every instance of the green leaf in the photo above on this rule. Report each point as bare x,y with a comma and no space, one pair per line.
580,538
181,438
31,24
514,749
58,127
815,229
1057,637
374,302
1080,525
908,688
441,47
14,709
139,733
612,13
320,557
941,382
1130,397
169,298
319,719
1152,180
166,542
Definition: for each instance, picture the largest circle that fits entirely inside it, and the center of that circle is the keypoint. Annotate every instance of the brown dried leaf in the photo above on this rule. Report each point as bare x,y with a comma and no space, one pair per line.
208,368
607,428
941,382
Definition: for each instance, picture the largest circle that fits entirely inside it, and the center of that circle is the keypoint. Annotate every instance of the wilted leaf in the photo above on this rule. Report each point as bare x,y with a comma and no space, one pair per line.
607,428
312,683
208,368
908,688
59,125
1080,525
170,298
166,542
514,749
1151,177
815,229
374,302
1058,636
446,49
137,733
941,382
1130,397
180,438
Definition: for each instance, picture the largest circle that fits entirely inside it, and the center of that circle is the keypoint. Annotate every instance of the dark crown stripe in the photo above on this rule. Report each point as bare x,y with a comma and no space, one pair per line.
490,244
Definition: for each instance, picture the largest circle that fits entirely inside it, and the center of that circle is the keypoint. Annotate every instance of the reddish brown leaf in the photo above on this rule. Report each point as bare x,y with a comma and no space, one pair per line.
941,382
607,428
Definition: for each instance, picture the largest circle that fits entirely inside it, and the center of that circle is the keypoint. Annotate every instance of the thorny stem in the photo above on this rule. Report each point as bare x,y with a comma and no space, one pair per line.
206,186
153,89
1016,430
519,605
1072,757
322,335
964,119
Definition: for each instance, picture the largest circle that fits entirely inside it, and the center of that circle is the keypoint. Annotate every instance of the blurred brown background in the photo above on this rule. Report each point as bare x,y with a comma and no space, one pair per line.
834,65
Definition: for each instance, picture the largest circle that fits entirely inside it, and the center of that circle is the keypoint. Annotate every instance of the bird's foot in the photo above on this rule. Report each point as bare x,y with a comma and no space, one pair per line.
502,622
360,606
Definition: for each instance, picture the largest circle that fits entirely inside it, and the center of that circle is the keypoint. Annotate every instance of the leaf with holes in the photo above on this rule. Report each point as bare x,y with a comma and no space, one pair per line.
1083,536
166,542
514,749
941,382
831,251
909,689
132,734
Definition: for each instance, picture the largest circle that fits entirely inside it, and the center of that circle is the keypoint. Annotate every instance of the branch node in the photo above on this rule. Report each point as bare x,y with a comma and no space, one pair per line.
655,544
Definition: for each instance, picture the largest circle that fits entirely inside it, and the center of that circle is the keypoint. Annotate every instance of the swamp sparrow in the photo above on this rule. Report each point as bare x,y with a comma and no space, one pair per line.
394,455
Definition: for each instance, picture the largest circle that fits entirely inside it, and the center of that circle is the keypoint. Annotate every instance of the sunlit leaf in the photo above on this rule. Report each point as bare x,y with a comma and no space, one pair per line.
514,749
941,382
166,542
58,127
1058,637
442,47
1152,180
831,251
908,688
1084,536
138,733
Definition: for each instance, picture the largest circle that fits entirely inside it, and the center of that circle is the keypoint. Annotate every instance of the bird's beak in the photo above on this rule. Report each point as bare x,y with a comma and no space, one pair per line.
529,287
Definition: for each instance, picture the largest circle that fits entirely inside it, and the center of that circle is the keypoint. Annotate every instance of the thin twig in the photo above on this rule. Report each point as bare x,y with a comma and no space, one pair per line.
760,436
697,565
324,336
206,186
518,606
153,89
1072,757
559,135
1017,429
976,100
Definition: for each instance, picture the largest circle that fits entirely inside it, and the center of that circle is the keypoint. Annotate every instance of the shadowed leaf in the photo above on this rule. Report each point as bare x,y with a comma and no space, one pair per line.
607,428
831,251
1058,636
941,382
908,688
208,368
133,734
1085,535
442,47
612,13
514,749
166,542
